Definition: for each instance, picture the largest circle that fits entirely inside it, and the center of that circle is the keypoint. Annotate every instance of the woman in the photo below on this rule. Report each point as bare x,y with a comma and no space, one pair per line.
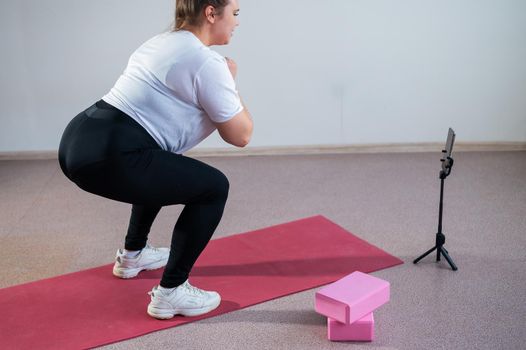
128,147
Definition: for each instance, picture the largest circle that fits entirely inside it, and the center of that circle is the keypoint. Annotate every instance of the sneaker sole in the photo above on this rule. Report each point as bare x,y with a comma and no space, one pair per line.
163,314
130,273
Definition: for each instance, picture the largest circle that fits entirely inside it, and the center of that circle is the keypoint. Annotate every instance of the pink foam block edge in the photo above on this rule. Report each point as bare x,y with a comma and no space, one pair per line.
352,297
360,330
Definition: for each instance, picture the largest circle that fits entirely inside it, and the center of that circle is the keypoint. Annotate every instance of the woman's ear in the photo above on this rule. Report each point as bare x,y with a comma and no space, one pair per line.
210,13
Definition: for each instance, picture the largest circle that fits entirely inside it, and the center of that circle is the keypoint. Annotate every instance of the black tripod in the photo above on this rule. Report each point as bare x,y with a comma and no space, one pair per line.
440,238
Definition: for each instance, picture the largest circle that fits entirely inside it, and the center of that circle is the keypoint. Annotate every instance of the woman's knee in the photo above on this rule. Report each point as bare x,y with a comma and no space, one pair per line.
221,184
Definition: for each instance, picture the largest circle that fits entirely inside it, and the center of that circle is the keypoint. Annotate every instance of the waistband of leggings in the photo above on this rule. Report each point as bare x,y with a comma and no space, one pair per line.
104,105
113,113
101,104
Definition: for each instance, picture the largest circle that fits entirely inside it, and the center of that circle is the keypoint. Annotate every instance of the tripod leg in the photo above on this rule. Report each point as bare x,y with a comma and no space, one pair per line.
424,255
448,258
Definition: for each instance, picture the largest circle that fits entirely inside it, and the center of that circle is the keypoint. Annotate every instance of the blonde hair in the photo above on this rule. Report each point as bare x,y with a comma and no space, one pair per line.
188,12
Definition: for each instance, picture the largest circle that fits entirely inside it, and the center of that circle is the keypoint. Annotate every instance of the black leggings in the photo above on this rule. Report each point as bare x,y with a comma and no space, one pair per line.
106,152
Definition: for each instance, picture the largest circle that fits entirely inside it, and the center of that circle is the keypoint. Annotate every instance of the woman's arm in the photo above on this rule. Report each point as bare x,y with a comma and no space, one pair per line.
238,130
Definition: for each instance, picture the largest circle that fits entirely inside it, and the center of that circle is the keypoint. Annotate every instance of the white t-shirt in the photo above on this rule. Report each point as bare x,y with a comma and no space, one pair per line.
175,86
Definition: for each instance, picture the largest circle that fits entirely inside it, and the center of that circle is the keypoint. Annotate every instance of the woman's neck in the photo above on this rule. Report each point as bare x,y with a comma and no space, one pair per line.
200,33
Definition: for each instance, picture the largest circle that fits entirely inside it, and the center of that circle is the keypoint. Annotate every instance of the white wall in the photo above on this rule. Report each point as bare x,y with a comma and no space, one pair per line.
311,72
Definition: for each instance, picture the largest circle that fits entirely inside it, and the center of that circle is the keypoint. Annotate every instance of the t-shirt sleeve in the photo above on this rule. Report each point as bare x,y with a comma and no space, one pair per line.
216,91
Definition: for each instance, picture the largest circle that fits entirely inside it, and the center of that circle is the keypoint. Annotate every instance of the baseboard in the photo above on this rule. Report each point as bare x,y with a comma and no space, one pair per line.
311,149
366,148
28,155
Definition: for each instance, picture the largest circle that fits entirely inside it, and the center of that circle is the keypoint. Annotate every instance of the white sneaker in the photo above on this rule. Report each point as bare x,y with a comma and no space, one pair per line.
185,300
149,258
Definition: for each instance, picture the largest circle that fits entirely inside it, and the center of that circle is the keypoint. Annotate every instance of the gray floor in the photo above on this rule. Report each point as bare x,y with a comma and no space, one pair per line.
49,227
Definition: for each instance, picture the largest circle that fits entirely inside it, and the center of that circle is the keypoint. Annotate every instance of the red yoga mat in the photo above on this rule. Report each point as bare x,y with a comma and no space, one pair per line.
93,308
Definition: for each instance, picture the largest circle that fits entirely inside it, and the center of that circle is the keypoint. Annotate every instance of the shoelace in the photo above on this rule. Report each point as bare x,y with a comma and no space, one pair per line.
149,247
192,289
186,285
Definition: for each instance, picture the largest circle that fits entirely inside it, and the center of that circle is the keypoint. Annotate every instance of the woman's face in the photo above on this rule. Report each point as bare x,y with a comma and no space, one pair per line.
224,25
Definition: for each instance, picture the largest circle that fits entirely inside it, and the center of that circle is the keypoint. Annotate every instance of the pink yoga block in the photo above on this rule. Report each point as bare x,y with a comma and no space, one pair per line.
352,297
361,330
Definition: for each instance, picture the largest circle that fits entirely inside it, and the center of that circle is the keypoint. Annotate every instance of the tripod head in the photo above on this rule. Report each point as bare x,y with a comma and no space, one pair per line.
447,161
447,164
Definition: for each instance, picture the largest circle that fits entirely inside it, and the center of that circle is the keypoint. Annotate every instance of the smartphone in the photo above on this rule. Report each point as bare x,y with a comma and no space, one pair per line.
449,148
